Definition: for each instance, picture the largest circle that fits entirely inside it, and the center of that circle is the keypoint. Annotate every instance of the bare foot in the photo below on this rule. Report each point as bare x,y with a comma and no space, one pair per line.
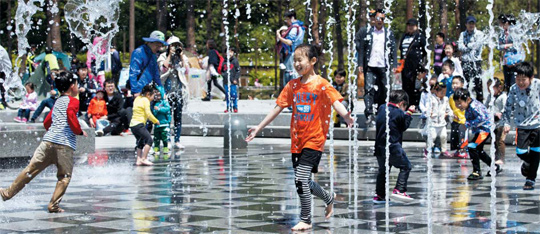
499,162
329,210
147,162
301,226
139,162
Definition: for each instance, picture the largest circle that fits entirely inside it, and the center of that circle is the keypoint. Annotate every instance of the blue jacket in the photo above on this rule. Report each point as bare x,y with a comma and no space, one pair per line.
140,58
398,122
478,117
163,114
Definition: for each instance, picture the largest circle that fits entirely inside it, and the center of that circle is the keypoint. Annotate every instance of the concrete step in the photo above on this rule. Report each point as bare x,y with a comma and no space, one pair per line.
412,134
21,140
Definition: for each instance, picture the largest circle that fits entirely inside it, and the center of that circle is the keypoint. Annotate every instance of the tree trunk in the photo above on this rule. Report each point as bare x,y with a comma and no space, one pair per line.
315,26
538,46
161,15
443,11
462,15
190,25
208,20
409,9
322,27
236,41
8,22
379,4
223,38
362,14
131,26
338,35
56,39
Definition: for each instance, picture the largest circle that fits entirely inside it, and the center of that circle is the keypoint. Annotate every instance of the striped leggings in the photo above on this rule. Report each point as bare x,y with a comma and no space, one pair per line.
302,174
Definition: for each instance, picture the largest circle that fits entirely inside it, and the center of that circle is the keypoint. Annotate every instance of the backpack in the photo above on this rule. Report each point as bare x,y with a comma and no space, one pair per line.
221,62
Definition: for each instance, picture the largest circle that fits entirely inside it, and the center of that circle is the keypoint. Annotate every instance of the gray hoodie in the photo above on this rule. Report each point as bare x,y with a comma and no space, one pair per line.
523,106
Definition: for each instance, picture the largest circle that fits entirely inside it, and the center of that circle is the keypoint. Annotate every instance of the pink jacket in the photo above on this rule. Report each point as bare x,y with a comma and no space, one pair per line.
29,101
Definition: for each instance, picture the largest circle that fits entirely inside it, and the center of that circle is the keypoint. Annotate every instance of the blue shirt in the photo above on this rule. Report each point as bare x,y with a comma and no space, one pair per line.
478,117
143,60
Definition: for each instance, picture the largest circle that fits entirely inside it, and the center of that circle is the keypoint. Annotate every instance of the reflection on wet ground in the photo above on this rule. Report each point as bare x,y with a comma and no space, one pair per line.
198,192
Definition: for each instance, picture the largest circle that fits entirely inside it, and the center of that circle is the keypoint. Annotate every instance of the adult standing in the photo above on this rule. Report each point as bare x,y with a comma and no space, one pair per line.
506,46
213,70
438,51
174,65
413,52
471,43
376,54
116,65
288,41
143,67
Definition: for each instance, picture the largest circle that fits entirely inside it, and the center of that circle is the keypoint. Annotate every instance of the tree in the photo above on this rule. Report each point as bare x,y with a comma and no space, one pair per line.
338,35
54,39
131,26
443,11
190,25
10,38
322,29
462,14
161,15
409,9
208,20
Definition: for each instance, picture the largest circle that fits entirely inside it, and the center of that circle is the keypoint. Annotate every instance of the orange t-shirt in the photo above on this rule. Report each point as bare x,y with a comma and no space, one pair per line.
97,108
312,106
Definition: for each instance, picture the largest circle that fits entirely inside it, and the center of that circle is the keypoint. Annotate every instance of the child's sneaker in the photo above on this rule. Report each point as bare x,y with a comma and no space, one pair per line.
436,150
99,133
498,170
403,197
446,154
156,150
166,150
235,110
24,120
475,176
17,119
525,169
378,199
177,145
425,153
1,106
529,185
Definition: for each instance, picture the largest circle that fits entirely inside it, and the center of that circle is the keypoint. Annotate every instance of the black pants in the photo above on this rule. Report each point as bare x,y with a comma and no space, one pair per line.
457,133
408,78
142,136
3,94
374,89
116,78
528,149
509,77
476,151
177,115
119,123
209,85
438,70
398,159
472,71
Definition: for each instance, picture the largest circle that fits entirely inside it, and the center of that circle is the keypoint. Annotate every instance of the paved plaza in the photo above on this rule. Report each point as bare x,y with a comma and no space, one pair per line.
199,190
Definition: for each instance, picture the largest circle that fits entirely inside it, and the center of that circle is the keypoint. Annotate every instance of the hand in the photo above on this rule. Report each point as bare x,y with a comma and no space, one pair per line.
456,118
158,123
156,108
84,134
278,34
498,115
360,69
412,108
235,82
52,92
394,70
135,95
103,117
506,129
349,120
81,89
92,124
252,132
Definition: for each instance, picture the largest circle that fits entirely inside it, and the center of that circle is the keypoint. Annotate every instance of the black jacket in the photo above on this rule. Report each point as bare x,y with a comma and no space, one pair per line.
364,43
415,57
114,105
234,71
398,122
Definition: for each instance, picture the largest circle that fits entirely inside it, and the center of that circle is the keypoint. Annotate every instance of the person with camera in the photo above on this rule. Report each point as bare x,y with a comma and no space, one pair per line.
173,66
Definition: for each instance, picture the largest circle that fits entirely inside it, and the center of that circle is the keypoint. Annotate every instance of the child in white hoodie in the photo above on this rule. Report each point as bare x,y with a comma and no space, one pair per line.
440,113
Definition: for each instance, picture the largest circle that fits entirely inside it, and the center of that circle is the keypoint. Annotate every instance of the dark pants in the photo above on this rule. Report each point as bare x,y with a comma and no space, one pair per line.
177,115
457,134
509,77
528,149
398,159
49,102
374,89
116,78
408,78
209,85
437,70
119,123
476,151
3,94
472,71
24,113
142,136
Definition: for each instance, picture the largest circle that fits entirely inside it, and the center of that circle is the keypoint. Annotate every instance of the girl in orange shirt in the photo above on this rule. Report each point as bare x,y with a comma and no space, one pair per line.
311,98
97,108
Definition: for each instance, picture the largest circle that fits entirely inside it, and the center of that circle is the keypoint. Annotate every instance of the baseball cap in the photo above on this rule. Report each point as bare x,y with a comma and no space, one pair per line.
470,18
412,21
156,36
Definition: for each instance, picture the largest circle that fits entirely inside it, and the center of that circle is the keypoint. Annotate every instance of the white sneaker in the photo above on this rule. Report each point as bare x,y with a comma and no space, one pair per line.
179,146
99,133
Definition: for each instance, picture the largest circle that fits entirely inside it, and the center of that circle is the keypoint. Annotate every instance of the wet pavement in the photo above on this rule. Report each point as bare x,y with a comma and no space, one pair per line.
199,190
